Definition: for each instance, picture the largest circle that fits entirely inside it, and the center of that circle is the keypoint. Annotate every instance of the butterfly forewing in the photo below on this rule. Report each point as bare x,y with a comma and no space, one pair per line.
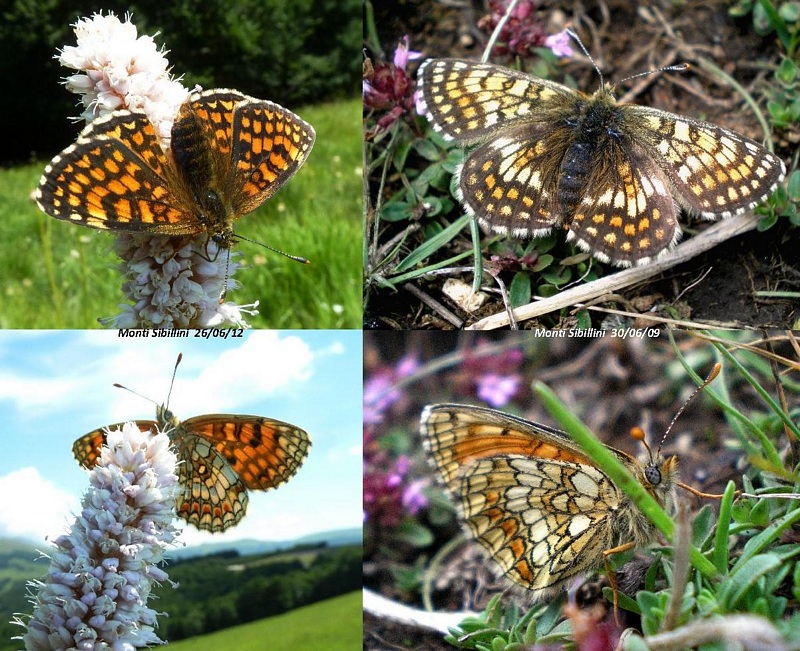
115,177
264,452
456,435
470,101
271,144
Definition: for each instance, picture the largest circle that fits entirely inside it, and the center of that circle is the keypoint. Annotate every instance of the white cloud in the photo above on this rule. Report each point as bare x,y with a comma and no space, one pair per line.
30,393
32,507
262,365
338,453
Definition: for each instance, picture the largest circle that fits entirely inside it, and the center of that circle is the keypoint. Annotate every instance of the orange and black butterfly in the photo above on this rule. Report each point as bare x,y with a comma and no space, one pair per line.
220,456
229,154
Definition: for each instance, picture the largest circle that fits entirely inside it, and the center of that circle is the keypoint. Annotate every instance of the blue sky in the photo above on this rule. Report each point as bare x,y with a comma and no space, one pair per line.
57,385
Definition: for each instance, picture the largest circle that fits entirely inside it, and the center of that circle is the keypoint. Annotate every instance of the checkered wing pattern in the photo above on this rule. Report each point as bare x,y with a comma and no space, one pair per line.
529,496
264,452
214,497
117,177
229,154
608,173
257,146
220,457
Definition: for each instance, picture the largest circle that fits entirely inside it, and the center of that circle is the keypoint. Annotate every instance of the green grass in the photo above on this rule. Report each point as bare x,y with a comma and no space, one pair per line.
332,625
58,275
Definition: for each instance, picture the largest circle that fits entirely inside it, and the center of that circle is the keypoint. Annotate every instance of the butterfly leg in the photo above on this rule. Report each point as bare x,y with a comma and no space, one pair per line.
612,577
697,493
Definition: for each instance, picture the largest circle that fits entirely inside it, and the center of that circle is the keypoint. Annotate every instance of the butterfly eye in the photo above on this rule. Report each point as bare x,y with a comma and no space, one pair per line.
652,474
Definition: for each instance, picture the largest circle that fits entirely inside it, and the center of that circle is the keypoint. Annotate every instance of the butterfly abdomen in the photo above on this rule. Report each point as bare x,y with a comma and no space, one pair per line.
592,123
196,167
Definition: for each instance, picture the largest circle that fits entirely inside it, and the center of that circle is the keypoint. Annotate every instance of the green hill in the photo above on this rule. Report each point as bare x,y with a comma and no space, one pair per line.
214,592
331,625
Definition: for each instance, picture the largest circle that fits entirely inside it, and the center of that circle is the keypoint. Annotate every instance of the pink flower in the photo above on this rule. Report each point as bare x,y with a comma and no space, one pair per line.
560,44
388,88
496,389
520,34
102,572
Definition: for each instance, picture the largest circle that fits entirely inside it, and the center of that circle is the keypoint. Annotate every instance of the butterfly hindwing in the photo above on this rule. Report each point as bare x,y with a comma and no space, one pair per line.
213,497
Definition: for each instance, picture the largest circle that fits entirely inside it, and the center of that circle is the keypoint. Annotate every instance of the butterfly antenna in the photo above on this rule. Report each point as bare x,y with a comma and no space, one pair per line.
679,67
578,40
172,381
136,393
296,258
714,373
224,293
637,433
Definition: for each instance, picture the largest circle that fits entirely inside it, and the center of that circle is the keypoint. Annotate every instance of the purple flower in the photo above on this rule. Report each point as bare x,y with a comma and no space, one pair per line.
389,496
388,88
560,44
380,392
496,389
402,55
413,498
522,31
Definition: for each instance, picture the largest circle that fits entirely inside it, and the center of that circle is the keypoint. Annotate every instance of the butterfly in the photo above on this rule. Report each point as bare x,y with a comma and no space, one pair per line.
220,457
537,504
612,175
229,153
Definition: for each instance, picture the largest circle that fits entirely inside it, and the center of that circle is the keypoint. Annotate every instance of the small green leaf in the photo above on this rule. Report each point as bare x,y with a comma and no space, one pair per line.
759,514
702,526
414,534
542,262
741,8
793,186
766,223
401,154
790,12
635,642
583,320
396,211
519,293
761,22
720,552
433,206
546,291
786,72
740,511
746,575
454,158
427,150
